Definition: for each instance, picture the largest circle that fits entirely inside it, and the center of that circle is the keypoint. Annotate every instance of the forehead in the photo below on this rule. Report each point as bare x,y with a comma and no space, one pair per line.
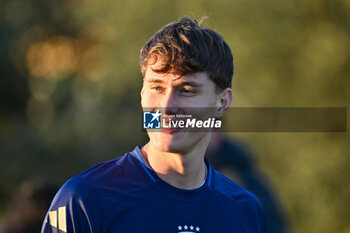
199,77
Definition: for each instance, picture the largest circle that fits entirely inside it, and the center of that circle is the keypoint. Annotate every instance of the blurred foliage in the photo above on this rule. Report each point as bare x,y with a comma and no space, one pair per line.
70,85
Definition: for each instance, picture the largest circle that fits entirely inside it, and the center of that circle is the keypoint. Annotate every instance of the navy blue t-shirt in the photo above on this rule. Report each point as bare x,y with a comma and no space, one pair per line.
125,195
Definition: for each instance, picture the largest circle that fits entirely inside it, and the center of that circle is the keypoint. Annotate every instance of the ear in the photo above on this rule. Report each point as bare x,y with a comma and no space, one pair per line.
141,93
224,102
143,87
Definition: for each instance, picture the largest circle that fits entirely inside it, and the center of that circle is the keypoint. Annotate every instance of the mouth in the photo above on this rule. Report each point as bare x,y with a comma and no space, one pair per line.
171,130
170,125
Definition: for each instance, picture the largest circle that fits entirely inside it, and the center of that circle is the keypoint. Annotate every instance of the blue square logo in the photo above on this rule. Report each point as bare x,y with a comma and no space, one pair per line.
151,120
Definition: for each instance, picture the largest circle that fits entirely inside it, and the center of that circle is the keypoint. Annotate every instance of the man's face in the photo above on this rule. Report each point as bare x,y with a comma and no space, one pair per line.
190,94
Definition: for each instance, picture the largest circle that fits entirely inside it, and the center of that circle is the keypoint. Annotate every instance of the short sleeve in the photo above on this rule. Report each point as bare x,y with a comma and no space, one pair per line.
75,209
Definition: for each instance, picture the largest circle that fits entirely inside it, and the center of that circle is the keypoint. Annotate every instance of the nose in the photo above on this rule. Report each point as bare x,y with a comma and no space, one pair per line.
170,102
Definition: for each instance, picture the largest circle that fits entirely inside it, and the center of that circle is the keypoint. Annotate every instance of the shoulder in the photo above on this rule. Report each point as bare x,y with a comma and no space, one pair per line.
235,192
82,202
248,204
98,181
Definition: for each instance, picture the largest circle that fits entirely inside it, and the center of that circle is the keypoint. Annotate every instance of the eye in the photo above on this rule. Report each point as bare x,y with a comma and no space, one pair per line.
188,91
157,88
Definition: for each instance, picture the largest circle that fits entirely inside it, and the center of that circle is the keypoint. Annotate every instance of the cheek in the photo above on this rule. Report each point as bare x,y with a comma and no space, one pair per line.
148,100
203,101
145,102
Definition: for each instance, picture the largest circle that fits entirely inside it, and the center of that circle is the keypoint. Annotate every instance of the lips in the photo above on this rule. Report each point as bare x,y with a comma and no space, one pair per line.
168,126
170,130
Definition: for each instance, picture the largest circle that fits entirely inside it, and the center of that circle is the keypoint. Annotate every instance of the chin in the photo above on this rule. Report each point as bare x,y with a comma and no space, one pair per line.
180,142
169,143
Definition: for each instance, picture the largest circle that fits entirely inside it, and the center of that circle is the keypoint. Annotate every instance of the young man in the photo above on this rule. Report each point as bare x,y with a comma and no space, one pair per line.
167,185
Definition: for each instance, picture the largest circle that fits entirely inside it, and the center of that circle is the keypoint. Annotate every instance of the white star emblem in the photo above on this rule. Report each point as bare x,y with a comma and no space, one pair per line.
179,227
197,228
155,115
191,227
185,227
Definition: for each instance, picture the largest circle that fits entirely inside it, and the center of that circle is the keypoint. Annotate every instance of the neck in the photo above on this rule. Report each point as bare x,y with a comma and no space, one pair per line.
182,170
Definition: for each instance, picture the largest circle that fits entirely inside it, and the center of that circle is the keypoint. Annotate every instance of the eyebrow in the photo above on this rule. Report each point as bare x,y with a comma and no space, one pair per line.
154,81
185,83
190,83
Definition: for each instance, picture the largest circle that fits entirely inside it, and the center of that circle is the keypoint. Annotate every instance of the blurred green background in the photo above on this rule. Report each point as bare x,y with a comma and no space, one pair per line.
70,81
